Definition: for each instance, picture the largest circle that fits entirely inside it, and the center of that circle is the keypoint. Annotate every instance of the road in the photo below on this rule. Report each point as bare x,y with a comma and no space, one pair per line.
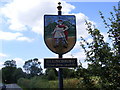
13,87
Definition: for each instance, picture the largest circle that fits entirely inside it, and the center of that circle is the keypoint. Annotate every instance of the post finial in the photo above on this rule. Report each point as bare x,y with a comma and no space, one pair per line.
59,7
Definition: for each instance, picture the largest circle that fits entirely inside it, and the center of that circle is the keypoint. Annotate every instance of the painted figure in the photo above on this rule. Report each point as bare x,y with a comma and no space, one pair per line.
60,33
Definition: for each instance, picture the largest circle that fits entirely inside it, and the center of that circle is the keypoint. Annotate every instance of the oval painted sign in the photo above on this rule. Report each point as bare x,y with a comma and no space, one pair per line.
60,32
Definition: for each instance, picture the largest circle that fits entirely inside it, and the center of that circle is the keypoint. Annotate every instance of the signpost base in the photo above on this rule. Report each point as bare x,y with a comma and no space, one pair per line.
60,76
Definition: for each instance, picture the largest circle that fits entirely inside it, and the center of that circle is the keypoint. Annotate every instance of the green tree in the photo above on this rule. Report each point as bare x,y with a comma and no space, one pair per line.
10,73
8,70
104,58
33,67
68,73
51,75
48,69
10,63
17,74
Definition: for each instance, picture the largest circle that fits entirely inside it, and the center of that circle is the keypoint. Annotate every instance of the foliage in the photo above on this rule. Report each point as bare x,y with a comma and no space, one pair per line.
10,73
10,63
113,29
68,73
7,76
48,69
18,73
105,59
39,83
51,74
33,67
71,83
33,83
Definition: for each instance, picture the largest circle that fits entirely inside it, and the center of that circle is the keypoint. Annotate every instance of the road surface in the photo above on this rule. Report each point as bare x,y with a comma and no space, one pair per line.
13,87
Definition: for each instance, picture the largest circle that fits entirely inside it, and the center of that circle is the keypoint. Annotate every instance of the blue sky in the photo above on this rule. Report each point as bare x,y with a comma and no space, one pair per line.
21,27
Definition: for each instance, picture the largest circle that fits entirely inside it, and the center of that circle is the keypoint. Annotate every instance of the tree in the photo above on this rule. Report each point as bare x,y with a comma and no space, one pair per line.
17,74
8,70
10,63
33,67
68,73
48,69
104,58
51,73
10,73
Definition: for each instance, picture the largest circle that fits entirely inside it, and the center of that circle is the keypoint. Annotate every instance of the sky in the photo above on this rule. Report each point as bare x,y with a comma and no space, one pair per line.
22,27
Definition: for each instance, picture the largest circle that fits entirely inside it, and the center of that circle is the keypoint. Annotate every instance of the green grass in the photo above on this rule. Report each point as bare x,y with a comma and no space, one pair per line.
38,82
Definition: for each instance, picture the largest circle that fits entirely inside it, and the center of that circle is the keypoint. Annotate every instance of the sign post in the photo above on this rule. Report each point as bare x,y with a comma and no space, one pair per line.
60,76
60,72
60,38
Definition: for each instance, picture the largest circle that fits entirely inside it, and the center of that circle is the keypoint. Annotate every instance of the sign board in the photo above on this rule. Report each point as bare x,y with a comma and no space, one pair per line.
60,32
60,62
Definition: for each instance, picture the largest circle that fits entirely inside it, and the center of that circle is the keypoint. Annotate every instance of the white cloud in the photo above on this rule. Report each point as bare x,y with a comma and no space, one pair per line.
85,64
25,39
22,13
2,55
1,64
68,55
19,62
91,0
5,1
80,25
13,36
29,13
89,40
9,35
105,34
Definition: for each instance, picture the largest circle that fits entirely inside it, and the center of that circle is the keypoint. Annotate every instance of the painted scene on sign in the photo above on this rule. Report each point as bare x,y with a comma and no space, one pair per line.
60,32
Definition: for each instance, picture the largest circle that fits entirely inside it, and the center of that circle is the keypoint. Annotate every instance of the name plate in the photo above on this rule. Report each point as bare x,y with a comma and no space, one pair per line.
60,62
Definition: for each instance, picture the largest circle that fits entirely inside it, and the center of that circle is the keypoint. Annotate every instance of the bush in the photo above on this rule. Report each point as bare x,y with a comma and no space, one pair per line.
31,84
40,82
71,83
51,75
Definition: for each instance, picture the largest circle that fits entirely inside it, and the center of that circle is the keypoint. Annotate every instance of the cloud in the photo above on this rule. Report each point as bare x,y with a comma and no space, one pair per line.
13,36
85,64
9,35
25,39
80,25
91,0
23,13
6,1
2,55
1,64
19,62
29,13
